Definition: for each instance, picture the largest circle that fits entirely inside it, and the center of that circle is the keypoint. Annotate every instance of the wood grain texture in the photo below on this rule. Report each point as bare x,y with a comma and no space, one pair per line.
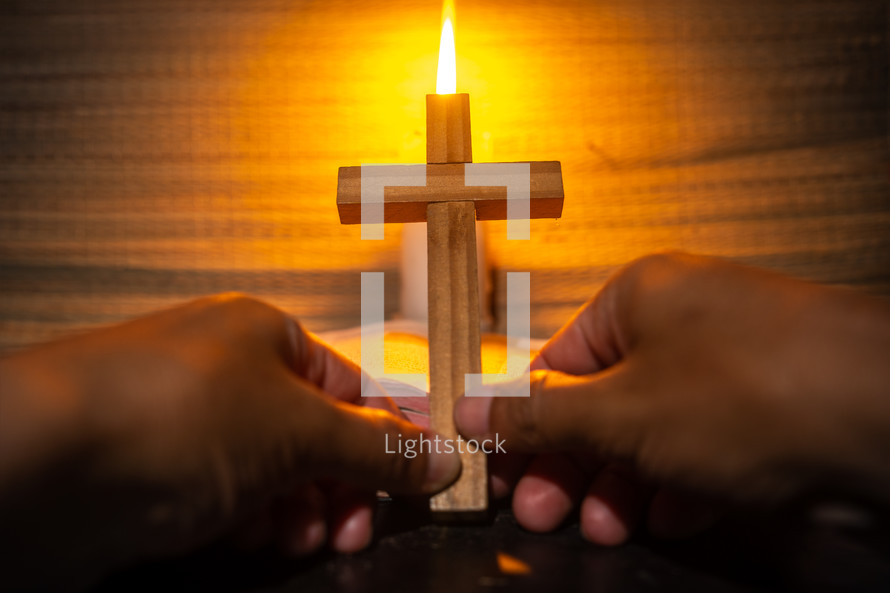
448,137
455,345
446,183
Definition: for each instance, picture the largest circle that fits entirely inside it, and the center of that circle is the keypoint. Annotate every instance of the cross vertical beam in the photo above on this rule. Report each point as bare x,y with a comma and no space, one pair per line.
455,345
453,285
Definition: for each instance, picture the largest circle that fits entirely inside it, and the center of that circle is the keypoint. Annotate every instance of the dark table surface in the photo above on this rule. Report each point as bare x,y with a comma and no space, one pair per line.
747,553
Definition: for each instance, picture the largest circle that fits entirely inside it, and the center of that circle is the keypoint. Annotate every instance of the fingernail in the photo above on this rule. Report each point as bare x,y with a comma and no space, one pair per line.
471,416
442,468
354,532
303,522
601,525
307,538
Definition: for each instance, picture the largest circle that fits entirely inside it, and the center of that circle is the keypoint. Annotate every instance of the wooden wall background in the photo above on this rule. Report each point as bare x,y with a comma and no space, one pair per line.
156,150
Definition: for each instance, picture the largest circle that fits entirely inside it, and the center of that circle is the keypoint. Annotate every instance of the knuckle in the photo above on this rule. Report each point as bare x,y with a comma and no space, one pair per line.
240,302
657,265
664,278
252,315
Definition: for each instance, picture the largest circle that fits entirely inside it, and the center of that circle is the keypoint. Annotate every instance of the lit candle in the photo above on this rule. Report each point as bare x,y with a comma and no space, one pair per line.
447,141
447,112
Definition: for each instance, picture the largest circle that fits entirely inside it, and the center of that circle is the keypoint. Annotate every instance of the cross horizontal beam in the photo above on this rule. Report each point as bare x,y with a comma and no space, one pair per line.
446,183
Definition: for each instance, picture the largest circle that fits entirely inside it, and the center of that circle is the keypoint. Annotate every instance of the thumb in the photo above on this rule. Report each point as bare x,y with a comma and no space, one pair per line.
373,448
596,412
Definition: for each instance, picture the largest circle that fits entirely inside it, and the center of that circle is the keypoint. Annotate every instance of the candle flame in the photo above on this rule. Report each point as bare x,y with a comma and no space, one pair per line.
446,75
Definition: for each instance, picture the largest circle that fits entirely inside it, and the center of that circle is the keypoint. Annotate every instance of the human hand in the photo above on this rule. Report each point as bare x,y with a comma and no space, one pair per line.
702,377
155,436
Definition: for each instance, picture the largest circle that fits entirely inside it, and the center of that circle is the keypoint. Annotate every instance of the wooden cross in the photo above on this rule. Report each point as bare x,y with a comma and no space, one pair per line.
450,208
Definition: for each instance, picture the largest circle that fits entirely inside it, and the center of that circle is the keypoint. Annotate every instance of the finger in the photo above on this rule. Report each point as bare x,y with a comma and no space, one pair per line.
335,374
548,492
323,366
588,343
300,521
374,396
371,448
504,471
350,517
384,403
614,505
598,413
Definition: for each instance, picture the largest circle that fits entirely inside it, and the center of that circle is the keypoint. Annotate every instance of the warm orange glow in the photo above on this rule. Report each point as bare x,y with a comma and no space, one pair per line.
446,75
278,127
511,565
